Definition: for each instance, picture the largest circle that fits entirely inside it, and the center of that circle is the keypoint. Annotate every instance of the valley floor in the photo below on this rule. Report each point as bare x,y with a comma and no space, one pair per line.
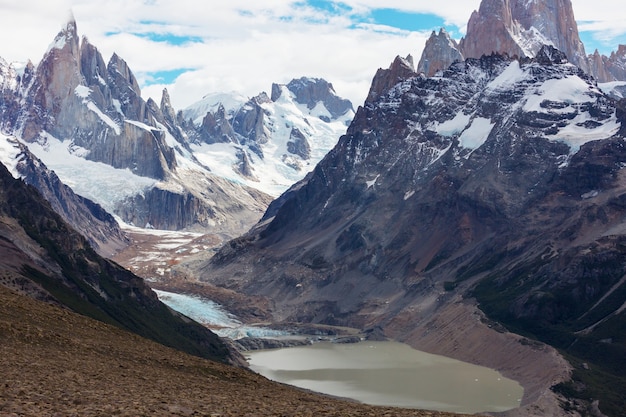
57,363
461,330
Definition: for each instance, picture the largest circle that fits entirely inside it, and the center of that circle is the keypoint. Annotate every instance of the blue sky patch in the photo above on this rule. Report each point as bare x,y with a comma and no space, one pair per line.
591,41
407,21
170,38
175,40
157,31
331,7
164,77
384,16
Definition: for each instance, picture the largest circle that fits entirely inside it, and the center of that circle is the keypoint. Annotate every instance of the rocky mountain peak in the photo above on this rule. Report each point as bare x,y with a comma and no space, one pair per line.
67,38
517,28
56,78
400,69
311,91
613,67
621,52
549,55
92,65
439,52
118,66
554,20
166,105
491,29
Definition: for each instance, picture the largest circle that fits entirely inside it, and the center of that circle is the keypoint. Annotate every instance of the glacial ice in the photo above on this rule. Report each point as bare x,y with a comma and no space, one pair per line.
213,315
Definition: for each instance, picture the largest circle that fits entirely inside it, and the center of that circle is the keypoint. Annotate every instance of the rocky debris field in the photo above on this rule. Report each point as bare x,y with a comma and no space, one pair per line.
57,363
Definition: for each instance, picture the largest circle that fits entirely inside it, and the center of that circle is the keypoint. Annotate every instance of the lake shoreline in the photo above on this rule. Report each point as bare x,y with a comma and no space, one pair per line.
459,331
389,374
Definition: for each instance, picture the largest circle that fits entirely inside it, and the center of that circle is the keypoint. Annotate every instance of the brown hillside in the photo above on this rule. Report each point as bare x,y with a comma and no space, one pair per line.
58,363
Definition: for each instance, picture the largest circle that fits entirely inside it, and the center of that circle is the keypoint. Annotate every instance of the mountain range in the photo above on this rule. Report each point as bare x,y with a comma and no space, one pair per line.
474,212
206,170
474,206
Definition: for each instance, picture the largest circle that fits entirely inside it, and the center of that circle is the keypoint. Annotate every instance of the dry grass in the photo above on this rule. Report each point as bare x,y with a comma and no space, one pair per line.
57,363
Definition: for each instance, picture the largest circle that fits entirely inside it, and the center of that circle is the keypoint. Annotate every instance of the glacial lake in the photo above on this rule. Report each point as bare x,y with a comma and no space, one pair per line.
390,374
379,373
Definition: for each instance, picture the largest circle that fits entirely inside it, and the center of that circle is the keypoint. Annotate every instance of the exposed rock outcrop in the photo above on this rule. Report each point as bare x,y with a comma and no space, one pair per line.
249,123
298,144
216,128
612,68
400,69
202,201
439,53
520,28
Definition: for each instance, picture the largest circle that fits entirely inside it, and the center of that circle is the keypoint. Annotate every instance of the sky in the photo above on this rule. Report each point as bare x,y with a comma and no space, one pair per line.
197,47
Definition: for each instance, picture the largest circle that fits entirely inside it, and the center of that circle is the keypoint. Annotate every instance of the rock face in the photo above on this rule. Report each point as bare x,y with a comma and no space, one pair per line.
73,101
298,145
400,69
41,256
519,28
439,53
205,203
249,122
612,68
311,91
483,182
215,128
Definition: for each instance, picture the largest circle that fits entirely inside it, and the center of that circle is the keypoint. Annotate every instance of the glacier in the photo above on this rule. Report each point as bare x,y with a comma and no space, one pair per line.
214,316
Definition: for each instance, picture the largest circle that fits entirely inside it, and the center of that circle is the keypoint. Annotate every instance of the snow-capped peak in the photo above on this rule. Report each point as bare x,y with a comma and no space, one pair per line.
231,101
269,143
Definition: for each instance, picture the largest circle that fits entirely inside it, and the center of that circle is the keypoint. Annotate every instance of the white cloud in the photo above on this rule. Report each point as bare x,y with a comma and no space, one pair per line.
246,45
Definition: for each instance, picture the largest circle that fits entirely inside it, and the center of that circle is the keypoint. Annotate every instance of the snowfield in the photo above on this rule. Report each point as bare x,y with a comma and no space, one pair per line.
96,181
277,169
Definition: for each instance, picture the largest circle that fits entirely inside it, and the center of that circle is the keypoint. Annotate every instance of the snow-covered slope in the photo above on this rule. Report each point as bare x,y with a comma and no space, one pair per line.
96,224
231,101
285,140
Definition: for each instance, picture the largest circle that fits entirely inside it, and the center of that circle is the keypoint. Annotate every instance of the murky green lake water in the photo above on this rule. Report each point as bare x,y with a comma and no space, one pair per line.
389,373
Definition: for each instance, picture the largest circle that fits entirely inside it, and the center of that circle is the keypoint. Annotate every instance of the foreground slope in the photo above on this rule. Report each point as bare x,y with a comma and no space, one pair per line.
498,184
42,257
55,362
